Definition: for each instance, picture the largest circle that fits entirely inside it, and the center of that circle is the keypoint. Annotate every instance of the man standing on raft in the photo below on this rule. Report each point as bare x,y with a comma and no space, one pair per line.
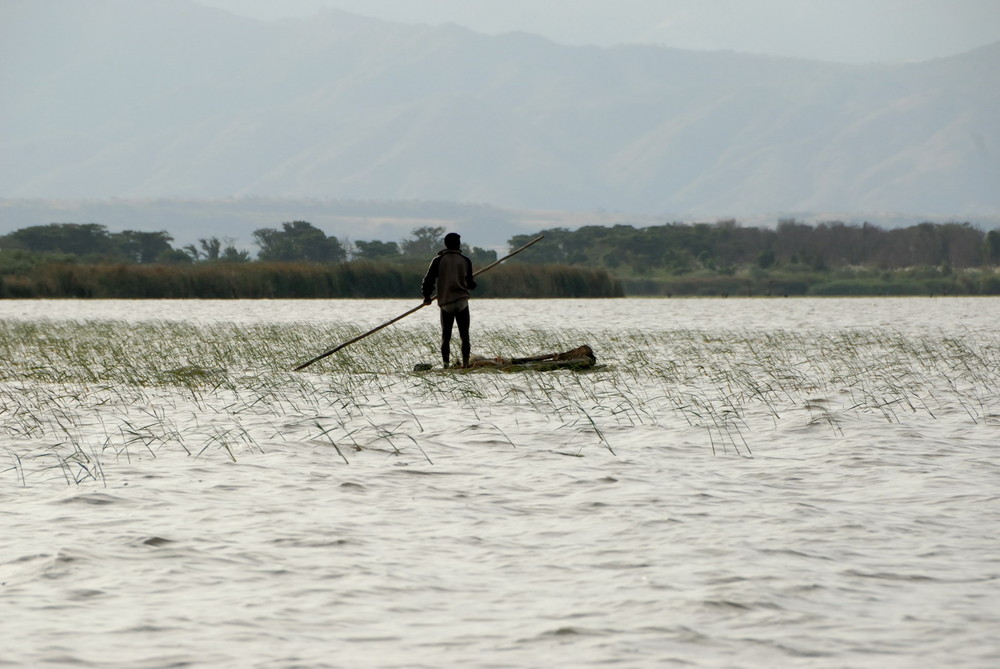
451,274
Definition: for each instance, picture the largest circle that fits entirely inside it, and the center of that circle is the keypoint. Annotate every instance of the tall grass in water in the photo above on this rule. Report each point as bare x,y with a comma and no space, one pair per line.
79,398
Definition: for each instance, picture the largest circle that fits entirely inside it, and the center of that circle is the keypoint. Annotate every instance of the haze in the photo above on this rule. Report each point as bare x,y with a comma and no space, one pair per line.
256,112
847,31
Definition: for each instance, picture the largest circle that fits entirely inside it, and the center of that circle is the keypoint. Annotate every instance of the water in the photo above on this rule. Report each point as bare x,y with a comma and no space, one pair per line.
828,524
827,314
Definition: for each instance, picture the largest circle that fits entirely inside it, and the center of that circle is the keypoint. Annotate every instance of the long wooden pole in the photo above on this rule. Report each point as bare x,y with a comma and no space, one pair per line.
414,309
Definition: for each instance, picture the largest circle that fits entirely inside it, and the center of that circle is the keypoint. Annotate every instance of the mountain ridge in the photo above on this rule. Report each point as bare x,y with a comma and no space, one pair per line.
346,107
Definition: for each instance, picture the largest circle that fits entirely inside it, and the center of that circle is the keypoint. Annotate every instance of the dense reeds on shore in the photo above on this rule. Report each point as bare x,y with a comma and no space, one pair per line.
366,279
290,280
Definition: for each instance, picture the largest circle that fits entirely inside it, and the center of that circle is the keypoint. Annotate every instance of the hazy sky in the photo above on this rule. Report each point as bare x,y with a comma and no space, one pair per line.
852,31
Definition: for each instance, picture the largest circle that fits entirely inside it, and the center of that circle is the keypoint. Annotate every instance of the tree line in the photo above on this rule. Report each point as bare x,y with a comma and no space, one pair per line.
794,258
295,241
676,248
724,247
295,261
721,258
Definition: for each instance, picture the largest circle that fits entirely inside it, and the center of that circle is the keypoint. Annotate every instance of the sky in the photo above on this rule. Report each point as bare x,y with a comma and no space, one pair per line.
847,31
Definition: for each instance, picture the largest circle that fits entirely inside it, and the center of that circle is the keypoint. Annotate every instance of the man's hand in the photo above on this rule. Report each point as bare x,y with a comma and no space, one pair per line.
427,301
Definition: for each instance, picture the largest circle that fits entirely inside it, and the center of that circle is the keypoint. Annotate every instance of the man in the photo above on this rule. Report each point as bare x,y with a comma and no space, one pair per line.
450,274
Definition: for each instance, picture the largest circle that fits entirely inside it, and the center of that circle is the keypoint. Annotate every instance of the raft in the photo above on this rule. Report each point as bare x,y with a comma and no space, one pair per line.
581,357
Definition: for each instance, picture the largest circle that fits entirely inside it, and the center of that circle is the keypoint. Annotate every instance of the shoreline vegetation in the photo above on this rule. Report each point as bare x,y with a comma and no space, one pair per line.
70,260
370,280
289,280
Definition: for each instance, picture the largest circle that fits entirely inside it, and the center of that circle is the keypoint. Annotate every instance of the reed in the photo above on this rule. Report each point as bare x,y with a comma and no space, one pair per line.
77,398
253,280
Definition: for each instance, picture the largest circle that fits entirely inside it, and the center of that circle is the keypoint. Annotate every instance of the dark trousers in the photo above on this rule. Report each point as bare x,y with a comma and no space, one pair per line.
462,318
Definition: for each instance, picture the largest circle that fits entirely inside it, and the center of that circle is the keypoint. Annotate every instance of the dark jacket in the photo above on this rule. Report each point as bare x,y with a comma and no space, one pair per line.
450,274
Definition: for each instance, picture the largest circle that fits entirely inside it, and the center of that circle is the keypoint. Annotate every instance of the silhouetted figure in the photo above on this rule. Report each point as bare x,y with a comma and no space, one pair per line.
450,274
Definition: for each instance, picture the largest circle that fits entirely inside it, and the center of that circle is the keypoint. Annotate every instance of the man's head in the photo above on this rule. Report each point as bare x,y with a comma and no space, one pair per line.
453,241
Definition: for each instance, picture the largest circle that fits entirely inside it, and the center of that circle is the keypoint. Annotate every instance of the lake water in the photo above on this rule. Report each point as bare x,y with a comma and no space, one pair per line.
743,483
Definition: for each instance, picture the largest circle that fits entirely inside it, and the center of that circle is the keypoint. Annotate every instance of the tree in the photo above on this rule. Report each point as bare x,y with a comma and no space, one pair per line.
550,251
232,254
212,251
298,241
426,242
480,256
80,239
993,246
211,248
375,250
142,247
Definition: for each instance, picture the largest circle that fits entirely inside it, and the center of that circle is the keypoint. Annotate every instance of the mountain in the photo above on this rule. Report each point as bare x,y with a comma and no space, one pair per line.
171,99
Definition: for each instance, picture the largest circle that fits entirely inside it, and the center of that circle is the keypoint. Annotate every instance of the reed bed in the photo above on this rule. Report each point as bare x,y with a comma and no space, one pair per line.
79,398
255,280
